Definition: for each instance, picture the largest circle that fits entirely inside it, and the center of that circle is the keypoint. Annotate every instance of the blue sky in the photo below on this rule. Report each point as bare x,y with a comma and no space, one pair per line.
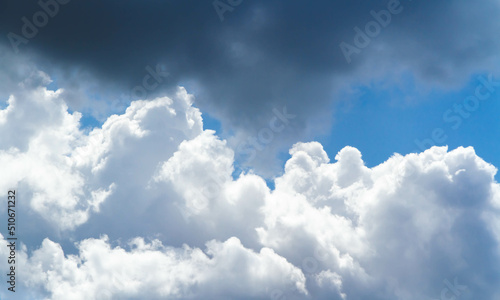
380,125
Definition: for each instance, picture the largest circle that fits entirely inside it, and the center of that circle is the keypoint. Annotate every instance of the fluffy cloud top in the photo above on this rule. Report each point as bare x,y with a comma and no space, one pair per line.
180,226
151,271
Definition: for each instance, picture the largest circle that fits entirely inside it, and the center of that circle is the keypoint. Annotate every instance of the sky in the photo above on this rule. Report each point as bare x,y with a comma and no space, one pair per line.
235,149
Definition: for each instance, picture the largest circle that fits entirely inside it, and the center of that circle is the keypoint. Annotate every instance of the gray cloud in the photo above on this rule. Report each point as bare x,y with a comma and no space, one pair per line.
264,55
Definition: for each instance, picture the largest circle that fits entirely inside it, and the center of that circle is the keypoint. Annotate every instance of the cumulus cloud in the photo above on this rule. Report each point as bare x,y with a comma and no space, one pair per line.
224,270
148,206
395,231
38,136
63,168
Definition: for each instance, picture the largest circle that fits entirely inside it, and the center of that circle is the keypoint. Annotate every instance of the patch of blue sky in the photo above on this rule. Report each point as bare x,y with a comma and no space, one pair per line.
53,84
379,126
212,123
88,122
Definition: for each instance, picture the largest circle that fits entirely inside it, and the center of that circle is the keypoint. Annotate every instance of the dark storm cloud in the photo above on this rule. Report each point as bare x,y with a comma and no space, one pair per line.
260,52
263,55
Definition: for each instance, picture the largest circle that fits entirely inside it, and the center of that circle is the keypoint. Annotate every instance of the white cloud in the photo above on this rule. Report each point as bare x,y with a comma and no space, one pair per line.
152,271
44,149
395,231
329,230
39,135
